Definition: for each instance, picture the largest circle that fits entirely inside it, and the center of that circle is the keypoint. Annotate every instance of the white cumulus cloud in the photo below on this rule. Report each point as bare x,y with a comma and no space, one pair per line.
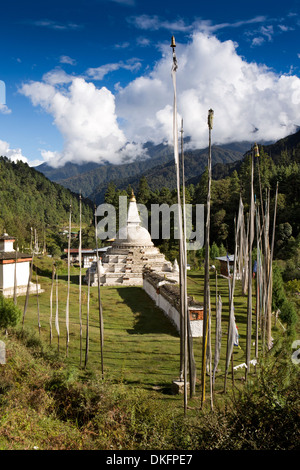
250,101
13,154
85,116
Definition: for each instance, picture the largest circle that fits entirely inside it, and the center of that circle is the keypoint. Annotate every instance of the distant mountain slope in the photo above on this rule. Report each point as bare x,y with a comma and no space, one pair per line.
194,163
289,146
89,182
158,169
86,177
68,170
163,175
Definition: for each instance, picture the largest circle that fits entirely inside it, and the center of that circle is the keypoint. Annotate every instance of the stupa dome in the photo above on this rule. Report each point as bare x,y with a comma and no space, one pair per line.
133,233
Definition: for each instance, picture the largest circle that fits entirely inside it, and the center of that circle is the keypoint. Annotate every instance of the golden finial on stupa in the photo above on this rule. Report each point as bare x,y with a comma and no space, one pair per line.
132,199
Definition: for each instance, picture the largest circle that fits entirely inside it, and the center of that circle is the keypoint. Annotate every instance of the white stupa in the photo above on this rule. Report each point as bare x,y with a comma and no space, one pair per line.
130,254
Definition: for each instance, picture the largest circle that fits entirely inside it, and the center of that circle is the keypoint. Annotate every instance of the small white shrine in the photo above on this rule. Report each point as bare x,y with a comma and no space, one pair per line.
14,269
130,254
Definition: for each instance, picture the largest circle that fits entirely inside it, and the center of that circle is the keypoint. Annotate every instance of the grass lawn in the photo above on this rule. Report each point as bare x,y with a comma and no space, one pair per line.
141,346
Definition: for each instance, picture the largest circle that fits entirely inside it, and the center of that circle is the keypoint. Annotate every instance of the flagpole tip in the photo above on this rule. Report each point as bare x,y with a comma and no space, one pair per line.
210,118
256,150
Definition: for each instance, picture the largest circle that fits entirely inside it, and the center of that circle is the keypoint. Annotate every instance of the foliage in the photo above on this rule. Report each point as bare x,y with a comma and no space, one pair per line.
28,199
288,313
281,302
282,168
292,270
55,407
10,314
278,291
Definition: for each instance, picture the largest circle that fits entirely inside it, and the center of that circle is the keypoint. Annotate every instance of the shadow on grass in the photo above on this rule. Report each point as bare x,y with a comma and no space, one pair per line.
149,319
46,271
74,278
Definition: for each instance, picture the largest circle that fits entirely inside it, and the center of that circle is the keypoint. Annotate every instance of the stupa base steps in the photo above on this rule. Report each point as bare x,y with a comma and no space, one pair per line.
126,278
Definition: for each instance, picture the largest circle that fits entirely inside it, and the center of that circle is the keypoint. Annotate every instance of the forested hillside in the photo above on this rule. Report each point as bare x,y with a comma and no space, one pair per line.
88,177
28,199
282,167
158,168
164,176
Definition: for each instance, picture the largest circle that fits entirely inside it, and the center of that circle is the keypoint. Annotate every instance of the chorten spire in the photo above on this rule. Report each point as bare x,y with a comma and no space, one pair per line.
133,217
132,198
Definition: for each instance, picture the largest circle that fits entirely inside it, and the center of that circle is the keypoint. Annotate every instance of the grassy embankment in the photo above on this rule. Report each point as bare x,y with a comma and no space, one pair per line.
140,344
48,401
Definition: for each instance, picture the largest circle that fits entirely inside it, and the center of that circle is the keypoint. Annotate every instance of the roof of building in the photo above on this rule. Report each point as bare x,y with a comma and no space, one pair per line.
86,250
5,236
6,255
224,258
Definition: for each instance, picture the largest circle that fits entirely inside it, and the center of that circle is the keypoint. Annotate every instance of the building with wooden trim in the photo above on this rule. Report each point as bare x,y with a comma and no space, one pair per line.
14,269
88,255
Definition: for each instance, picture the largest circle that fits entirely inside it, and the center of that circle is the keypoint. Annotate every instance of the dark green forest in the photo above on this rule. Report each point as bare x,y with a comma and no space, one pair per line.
226,192
29,200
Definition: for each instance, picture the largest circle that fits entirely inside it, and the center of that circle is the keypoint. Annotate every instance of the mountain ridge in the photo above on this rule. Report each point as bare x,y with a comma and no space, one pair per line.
158,169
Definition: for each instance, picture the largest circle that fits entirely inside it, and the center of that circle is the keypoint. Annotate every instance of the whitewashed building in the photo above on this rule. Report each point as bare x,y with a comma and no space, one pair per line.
88,255
14,269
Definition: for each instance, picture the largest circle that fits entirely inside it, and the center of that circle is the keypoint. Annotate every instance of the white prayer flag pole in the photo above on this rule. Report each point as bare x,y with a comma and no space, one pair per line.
183,333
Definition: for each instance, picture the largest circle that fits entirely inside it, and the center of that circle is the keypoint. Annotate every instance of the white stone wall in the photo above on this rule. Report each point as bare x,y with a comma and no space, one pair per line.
171,312
88,260
7,245
7,274
197,328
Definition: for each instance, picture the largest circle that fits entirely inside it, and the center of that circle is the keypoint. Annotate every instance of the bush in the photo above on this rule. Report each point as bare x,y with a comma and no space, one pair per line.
288,313
10,314
278,292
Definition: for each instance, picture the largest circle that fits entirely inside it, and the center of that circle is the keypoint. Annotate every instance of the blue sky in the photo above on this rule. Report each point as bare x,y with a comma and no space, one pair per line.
90,80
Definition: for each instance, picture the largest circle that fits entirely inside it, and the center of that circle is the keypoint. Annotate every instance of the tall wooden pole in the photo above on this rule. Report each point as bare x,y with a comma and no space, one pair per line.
185,341
51,302
181,247
269,287
68,288
216,360
231,321
258,277
206,309
249,301
37,299
87,322
266,268
80,279
99,299
56,311
15,277
188,339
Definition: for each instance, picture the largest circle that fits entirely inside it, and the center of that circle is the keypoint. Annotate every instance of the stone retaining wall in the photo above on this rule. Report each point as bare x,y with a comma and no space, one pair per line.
166,296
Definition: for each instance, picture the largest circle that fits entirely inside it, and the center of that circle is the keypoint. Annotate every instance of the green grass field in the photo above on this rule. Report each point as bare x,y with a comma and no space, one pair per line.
141,346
